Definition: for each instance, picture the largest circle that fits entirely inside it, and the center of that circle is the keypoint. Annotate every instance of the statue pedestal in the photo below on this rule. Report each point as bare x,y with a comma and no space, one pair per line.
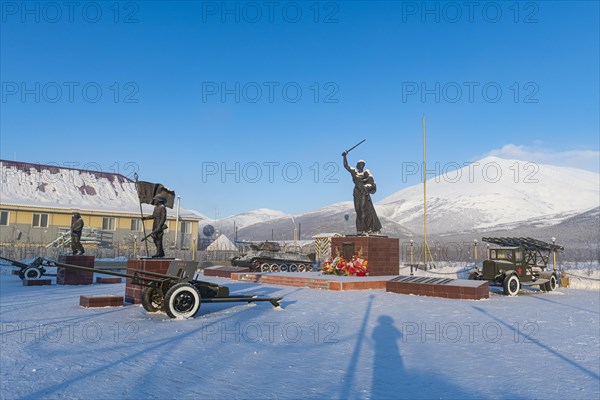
382,253
72,276
133,293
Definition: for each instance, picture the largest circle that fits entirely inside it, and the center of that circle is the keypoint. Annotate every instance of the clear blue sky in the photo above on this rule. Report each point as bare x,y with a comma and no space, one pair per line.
360,66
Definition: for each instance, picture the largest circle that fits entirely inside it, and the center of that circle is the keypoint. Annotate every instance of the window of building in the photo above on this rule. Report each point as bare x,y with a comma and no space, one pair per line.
108,224
136,225
186,227
40,220
3,218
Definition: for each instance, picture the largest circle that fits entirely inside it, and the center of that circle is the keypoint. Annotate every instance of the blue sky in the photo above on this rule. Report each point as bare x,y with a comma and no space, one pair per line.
249,104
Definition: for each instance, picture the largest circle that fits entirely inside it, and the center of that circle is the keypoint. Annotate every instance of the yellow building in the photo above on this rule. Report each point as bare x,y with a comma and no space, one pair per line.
37,203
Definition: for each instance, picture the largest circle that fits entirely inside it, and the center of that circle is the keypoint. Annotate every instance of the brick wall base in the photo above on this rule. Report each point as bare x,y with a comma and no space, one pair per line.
439,287
223,272
72,276
37,282
100,301
133,293
100,279
381,253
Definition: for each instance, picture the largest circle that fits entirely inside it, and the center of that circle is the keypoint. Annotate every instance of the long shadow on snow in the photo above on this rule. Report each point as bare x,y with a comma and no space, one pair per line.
151,378
391,380
586,371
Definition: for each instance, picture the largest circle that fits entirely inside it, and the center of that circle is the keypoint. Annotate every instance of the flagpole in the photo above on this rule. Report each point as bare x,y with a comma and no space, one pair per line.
141,213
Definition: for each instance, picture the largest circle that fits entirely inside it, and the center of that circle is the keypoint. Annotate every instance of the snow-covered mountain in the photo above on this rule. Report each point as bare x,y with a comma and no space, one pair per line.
323,220
490,194
226,226
494,192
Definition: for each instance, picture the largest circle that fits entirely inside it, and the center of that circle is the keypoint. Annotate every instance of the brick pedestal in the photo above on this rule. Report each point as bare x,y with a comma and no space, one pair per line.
72,276
37,282
100,301
133,293
223,272
382,253
108,280
439,287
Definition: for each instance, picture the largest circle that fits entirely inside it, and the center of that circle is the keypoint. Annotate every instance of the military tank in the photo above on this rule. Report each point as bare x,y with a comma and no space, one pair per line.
268,257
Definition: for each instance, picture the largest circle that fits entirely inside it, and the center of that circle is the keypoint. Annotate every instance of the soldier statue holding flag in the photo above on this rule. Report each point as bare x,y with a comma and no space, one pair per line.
159,215
160,197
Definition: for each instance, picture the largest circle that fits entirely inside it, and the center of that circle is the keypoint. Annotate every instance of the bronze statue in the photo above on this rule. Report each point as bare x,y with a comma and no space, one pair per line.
76,229
367,221
159,215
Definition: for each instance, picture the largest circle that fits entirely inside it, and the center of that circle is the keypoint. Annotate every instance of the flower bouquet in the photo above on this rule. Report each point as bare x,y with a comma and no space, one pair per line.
357,266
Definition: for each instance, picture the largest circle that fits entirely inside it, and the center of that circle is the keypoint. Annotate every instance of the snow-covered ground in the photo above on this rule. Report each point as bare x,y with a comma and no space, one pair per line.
322,344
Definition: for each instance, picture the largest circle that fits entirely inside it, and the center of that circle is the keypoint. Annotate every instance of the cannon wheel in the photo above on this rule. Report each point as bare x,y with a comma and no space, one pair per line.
21,274
511,285
32,273
182,301
152,299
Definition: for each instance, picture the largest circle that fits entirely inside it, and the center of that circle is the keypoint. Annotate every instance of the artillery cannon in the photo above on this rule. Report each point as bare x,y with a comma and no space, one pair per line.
516,262
268,257
35,270
178,293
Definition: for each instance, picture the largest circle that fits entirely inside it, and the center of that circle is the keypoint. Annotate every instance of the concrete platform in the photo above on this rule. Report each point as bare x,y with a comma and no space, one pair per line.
314,280
439,287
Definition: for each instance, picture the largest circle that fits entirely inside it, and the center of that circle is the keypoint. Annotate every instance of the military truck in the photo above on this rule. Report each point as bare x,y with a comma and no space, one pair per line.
516,262
268,257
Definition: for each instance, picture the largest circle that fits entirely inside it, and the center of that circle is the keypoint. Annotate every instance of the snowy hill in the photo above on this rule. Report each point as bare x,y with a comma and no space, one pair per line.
490,194
240,221
49,186
326,219
494,192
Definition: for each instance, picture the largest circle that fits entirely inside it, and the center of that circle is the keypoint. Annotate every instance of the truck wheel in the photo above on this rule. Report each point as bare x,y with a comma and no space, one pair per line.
283,268
511,285
32,273
274,268
182,301
301,268
293,268
152,299
264,267
473,275
552,283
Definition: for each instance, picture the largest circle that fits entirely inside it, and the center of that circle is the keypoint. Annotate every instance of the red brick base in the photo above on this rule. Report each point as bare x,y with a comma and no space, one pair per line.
72,276
439,287
223,272
100,301
100,279
382,253
133,293
308,280
37,282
